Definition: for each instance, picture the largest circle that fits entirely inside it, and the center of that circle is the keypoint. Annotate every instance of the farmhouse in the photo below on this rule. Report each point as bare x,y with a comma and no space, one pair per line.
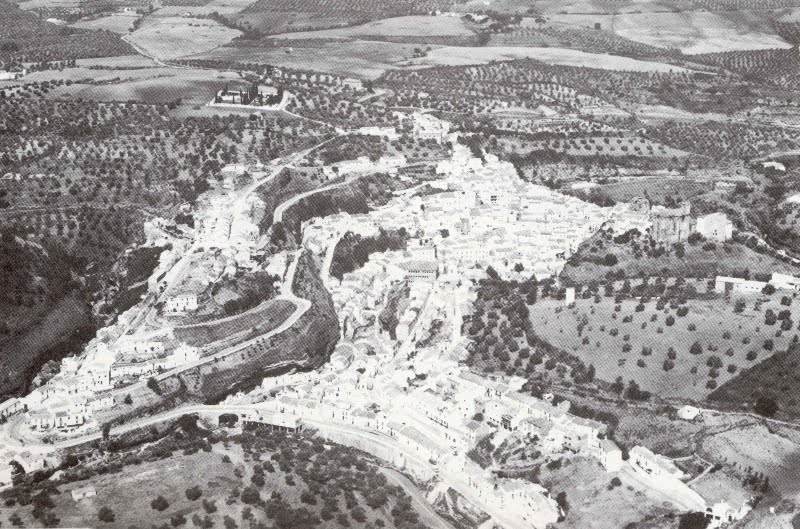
688,413
785,281
738,285
10,76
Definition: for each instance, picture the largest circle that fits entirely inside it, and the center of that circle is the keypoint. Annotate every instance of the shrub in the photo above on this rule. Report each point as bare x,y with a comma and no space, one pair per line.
250,496
696,348
682,311
751,355
711,384
106,515
670,321
766,406
768,345
177,520
193,493
159,504
209,506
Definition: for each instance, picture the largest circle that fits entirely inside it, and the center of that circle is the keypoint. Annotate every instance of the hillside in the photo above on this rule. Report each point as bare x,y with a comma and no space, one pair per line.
25,37
43,310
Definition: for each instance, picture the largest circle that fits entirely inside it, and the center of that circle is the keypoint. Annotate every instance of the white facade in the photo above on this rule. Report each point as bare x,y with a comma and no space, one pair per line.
181,303
715,227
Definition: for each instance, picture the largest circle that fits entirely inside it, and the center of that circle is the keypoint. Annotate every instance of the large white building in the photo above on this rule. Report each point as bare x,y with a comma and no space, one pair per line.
715,227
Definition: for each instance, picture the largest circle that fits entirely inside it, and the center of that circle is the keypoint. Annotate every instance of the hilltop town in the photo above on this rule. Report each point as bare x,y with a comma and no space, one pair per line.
423,265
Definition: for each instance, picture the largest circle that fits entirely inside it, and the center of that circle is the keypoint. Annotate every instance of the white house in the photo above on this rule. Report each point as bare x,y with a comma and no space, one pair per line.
737,285
181,303
688,413
644,460
609,454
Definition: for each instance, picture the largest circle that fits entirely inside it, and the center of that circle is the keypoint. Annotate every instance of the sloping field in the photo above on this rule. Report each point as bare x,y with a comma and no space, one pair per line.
458,56
718,328
409,26
118,23
154,85
171,37
367,60
699,32
117,63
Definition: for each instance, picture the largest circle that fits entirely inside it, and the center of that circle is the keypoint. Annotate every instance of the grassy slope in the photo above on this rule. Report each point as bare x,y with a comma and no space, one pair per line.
777,376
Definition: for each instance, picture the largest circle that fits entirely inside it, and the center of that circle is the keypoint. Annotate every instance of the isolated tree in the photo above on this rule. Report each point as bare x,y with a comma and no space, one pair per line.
106,515
160,503
766,406
194,493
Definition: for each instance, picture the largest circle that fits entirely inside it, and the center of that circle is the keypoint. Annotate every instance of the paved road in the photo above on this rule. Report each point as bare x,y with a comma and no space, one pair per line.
277,216
429,516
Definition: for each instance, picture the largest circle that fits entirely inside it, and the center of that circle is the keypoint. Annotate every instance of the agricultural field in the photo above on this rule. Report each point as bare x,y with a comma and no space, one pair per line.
170,38
150,85
639,257
461,56
776,456
775,378
592,146
28,38
559,35
269,17
699,32
117,23
407,26
636,345
658,188
360,59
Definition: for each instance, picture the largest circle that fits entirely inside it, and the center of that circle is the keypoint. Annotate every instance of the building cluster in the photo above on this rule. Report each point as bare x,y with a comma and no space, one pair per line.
10,76
669,225
82,387
230,242
254,95
737,285
431,427
425,126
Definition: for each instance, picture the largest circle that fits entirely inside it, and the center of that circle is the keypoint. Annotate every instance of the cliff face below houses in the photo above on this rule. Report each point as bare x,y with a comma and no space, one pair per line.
306,345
